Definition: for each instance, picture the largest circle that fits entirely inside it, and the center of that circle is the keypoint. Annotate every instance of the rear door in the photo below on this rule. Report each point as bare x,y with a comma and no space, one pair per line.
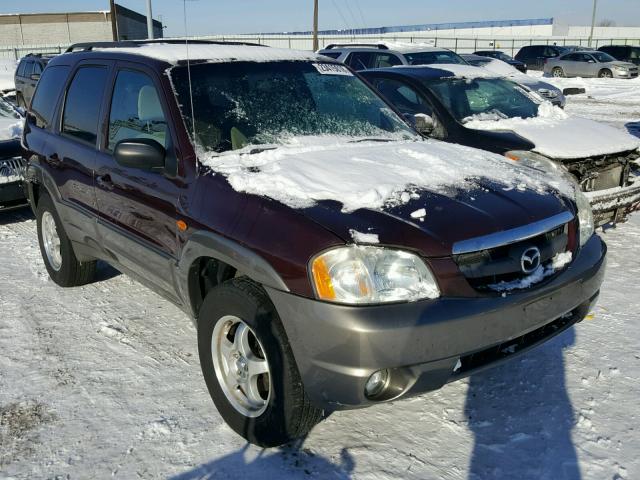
71,155
138,208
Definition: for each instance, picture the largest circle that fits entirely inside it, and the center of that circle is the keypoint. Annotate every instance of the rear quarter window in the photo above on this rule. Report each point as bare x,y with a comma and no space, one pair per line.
83,102
47,94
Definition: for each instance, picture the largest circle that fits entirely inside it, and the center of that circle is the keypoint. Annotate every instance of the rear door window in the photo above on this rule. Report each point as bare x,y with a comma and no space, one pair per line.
360,60
402,96
382,60
46,97
21,67
82,105
136,111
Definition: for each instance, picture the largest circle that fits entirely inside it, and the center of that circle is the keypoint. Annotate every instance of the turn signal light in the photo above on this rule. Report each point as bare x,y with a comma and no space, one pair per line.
322,278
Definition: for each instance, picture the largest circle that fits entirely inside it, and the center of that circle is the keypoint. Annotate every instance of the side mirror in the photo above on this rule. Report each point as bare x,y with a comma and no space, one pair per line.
35,76
141,153
424,123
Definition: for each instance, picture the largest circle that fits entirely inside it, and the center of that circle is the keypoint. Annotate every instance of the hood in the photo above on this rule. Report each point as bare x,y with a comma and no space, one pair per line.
432,223
399,190
559,136
623,64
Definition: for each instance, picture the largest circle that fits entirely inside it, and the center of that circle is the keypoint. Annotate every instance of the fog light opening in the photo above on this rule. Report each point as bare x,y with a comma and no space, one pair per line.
377,383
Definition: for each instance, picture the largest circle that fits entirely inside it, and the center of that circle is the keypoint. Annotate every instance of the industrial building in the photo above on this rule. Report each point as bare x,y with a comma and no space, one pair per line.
117,23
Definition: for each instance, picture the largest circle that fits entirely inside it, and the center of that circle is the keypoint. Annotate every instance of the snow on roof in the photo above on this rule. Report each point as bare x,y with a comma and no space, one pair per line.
370,174
407,47
173,53
453,70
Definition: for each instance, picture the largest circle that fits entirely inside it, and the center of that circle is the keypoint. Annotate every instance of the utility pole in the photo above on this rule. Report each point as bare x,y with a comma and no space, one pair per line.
316,47
593,20
149,20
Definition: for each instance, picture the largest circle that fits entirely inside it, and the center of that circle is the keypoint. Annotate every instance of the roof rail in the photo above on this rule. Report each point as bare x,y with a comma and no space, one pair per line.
380,46
88,46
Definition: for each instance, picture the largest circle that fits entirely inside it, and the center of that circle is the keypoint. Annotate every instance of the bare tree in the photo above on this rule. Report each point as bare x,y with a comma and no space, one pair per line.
606,23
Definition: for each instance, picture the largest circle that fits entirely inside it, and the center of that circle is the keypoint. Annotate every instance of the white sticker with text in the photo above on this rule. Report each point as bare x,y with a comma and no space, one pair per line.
332,69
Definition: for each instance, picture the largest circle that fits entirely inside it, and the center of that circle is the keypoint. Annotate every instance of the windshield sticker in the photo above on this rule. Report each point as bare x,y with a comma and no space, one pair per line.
332,69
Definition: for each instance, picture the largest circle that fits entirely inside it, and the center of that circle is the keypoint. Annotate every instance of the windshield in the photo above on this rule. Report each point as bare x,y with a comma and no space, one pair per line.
429,58
483,98
603,57
249,103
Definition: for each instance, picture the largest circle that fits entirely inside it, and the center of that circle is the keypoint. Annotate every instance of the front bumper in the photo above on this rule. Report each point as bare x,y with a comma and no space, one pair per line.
614,204
338,347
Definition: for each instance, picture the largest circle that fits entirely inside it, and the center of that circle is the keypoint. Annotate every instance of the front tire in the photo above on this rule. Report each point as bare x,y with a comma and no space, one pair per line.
249,368
605,73
59,259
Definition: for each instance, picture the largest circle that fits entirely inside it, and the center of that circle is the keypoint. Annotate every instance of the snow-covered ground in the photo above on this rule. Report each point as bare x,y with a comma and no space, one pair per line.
104,381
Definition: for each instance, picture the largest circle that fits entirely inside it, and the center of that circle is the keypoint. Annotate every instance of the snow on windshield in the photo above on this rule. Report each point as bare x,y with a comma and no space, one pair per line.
370,174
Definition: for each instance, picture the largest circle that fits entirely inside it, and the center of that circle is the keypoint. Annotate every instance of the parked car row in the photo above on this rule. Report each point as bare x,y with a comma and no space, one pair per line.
332,251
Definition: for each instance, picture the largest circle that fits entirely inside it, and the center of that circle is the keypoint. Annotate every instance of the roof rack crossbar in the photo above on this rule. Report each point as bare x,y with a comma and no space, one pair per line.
380,46
88,46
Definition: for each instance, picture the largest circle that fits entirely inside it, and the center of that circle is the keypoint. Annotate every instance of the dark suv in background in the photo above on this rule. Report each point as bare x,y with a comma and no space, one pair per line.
27,75
624,53
536,55
305,227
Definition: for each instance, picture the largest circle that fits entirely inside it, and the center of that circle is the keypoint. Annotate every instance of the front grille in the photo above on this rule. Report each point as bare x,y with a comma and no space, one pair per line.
12,169
484,269
602,172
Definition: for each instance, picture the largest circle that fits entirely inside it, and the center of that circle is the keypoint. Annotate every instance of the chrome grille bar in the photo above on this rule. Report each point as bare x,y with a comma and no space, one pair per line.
507,237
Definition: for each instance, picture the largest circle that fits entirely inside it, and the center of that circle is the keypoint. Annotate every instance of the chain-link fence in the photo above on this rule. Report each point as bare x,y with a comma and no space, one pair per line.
305,42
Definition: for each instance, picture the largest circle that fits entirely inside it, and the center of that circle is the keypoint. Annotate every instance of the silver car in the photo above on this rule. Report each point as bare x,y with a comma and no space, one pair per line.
589,63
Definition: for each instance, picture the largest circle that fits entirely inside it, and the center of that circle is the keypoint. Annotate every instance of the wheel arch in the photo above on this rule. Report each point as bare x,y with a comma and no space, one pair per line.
209,259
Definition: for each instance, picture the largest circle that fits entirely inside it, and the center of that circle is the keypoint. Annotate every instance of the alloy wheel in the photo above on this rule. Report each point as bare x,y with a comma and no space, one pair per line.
51,241
241,366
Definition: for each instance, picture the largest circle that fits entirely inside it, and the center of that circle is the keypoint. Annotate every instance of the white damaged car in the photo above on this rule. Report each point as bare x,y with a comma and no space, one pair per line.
470,106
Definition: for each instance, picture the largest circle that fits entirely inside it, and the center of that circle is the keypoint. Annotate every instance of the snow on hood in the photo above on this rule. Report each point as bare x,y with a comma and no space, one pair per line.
557,135
10,128
370,175
173,53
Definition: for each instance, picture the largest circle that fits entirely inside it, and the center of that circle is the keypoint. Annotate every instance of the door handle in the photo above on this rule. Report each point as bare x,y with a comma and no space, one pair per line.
104,181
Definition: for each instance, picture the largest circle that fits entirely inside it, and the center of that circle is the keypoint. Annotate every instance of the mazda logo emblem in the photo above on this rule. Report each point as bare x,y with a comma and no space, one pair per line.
530,260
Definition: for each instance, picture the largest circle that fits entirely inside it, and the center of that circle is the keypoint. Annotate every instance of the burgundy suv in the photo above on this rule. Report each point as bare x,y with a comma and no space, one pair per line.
330,257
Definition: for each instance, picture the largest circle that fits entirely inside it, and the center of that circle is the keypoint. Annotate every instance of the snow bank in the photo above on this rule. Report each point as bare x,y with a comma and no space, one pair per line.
557,135
369,174
173,53
7,71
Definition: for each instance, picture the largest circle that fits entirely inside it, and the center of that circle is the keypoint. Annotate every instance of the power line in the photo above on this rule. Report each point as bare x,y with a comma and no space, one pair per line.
344,20
364,23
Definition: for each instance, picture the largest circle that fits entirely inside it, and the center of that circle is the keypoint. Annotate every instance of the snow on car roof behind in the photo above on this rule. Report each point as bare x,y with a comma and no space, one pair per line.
174,53
444,70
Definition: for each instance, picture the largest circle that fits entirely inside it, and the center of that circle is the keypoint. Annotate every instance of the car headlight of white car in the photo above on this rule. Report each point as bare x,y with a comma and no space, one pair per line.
544,164
358,275
620,67
585,216
541,163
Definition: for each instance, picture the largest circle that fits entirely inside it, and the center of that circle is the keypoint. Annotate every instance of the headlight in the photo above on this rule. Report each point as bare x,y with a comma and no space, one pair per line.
585,216
622,69
541,163
545,92
365,275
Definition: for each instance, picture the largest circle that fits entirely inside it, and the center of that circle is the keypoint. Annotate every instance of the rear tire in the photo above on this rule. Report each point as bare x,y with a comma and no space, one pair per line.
286,413
605,73
59,259
557,72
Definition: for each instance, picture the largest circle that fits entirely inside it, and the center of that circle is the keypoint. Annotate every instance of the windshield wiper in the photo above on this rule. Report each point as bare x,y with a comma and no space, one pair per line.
374,139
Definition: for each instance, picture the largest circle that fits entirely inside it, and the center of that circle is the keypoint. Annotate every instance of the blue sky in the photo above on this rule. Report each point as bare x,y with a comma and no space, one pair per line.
240,16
